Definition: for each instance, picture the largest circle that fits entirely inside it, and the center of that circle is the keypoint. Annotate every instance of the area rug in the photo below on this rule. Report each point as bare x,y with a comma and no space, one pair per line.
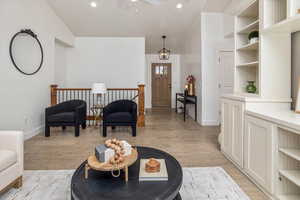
198,184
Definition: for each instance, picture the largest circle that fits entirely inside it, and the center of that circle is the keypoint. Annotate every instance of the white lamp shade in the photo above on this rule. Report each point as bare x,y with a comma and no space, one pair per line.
99,88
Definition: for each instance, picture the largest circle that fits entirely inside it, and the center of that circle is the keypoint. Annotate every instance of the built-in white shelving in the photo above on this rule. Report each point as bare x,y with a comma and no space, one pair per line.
250,27
247,54
289,197
288,164
290,25
251,10
293,153
292,175
249,47
250,64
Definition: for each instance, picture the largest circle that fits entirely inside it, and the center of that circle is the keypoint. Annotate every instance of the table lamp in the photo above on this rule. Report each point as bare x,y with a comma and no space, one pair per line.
99,89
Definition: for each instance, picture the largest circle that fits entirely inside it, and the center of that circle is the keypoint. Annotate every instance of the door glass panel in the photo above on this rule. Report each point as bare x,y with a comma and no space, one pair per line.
161,70
157,70
166,70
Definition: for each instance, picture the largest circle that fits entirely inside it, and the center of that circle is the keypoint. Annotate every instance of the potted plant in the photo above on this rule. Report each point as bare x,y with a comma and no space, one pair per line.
253,37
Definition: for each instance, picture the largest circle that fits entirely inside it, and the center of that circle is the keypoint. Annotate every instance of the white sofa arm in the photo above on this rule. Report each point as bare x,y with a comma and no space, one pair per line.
13,141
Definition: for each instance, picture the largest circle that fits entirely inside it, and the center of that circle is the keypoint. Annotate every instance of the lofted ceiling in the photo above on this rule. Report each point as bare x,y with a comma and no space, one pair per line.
124,18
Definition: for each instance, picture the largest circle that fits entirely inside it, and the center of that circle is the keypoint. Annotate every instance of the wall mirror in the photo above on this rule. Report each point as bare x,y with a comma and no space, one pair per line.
26,52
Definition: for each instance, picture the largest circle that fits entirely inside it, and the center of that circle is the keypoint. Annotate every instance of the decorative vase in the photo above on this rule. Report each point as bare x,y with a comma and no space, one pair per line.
253,40
251,88
191,89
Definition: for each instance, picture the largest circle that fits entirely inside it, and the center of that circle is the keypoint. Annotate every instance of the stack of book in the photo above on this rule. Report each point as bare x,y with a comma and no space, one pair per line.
162,175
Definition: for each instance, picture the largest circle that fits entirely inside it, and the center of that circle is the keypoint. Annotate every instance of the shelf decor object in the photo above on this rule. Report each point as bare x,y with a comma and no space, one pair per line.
152,166
253,37
251,87
104,160
26,52
190,85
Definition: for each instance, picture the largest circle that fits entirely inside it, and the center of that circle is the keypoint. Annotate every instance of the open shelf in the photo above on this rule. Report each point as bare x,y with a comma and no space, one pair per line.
250,64
288,164
247,55
249,47
292,175
251,10
275,11
249,28
289,197
293,153
290,25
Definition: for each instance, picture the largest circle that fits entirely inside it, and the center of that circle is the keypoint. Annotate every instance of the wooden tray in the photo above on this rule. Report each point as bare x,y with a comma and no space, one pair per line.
93,163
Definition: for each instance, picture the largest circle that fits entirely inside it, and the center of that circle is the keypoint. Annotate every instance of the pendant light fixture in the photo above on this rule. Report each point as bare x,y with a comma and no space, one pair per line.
164,54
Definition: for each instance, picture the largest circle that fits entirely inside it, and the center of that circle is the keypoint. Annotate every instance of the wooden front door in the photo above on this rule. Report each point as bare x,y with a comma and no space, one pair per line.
161,84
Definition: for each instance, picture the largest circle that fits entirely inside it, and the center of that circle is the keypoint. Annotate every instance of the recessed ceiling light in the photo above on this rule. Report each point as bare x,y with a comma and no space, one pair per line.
134,0
93,4
179,5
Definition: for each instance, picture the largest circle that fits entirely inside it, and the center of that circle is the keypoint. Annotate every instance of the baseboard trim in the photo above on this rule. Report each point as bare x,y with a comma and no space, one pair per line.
33,132
210,123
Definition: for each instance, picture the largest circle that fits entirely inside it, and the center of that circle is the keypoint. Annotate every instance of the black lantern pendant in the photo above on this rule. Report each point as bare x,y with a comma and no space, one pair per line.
164,54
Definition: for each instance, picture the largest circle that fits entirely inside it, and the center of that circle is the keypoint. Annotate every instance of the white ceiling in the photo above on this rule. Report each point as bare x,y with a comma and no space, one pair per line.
122,18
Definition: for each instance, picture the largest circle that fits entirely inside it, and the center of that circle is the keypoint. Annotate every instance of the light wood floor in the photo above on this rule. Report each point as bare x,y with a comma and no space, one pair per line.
191,144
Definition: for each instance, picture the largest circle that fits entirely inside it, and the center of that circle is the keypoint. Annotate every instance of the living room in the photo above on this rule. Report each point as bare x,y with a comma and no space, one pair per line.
149,99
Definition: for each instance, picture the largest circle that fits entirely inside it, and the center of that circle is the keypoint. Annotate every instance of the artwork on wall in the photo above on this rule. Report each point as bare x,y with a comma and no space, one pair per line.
26,52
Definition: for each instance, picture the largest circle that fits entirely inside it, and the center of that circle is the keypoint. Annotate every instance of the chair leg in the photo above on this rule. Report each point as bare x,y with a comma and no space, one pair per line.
77,131
133,131
104,131
47,131
83,125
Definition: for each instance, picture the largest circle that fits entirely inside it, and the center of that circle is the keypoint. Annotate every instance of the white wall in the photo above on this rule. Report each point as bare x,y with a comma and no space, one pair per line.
200,59
60,70
191,62
118,62
212,37
175,61
24,98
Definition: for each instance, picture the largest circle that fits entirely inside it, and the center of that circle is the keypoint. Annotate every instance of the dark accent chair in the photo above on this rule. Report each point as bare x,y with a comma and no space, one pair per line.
120,113
68,113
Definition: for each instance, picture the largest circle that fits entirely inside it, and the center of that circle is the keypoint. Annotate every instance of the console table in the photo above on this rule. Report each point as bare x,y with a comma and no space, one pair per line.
185,100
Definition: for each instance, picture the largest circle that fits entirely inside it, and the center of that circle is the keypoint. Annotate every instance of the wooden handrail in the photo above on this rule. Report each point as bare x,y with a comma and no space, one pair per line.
140,95
88,89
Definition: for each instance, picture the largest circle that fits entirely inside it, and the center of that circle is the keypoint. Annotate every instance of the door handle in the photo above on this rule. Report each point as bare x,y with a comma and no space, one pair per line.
170,85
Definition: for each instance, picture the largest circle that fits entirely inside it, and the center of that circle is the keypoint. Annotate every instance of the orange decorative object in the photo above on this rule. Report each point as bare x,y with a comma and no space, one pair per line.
152,166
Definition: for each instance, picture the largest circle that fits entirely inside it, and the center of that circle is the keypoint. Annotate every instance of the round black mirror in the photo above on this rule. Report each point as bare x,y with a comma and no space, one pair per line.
26,52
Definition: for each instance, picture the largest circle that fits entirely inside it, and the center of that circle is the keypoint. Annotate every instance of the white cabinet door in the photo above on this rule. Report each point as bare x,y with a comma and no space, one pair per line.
237,115
258,151
226,128
233,130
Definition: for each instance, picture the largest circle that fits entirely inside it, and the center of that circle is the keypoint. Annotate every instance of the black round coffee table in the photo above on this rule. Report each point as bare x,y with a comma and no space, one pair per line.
102,186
